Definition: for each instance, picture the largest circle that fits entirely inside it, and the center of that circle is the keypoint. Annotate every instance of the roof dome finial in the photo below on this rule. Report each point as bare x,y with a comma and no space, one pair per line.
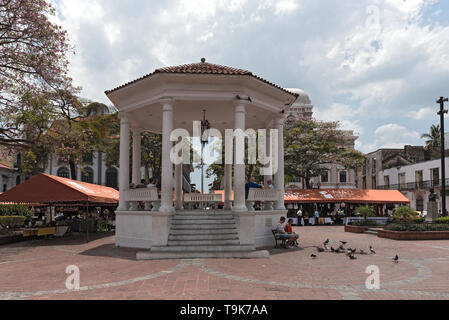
203,60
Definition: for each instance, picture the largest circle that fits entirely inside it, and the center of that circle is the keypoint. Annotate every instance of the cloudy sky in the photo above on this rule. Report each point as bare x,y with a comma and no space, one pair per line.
376,65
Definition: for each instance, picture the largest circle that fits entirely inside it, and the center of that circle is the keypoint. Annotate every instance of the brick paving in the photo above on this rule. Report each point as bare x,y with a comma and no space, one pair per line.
36,270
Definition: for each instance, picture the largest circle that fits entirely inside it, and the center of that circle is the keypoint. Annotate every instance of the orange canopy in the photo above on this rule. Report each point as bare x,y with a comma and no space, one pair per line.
47,189
345,195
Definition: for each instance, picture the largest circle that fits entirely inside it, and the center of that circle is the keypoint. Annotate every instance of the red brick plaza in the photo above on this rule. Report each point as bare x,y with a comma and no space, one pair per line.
36,270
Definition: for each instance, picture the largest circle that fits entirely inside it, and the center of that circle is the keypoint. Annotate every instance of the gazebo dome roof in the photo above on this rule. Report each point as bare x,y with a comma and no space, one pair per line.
303,97
204,68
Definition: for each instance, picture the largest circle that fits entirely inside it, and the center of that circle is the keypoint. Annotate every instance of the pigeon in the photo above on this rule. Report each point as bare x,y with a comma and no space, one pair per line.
313,256
341,248
362,251
372,250
320,249
396,259
343,242
326,247
351,256
332,249
326,242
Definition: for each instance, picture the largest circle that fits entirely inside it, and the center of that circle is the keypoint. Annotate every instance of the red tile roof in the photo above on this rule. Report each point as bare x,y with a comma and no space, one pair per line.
202,68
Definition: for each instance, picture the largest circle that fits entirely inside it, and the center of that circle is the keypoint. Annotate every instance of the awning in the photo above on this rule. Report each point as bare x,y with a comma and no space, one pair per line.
345,196
47,189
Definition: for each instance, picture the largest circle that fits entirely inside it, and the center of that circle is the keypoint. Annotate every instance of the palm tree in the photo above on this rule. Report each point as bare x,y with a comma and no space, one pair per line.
433,137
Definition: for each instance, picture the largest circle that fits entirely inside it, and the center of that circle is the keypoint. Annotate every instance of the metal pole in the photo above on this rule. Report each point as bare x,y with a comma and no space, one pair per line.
441,113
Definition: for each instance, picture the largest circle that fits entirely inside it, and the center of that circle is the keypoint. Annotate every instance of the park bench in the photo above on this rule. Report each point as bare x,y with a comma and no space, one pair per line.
279,239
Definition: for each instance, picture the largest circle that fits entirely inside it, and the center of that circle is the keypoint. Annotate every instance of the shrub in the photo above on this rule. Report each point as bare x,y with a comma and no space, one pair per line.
419,220
365,212
11,222
15,210
444,220
417,227
365,223
404,213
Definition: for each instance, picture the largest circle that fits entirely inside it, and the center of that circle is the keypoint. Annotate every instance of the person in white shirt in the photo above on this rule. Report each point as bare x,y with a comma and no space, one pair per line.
152,183
281,230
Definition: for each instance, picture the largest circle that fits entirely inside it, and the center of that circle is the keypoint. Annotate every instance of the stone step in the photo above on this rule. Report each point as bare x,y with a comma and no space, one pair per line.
206,248
201,222
148,255
191,237
190,231
203,217
196,242
203,226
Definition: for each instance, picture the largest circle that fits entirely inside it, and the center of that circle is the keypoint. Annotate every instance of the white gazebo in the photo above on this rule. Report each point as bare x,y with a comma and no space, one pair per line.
173,98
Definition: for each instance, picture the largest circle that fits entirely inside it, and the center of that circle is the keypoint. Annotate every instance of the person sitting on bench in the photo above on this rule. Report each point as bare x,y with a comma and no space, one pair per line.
289,230
281,230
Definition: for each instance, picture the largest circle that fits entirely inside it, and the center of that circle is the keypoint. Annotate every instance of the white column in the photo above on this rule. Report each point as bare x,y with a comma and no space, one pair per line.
228,187
239,169
124,161
268,204
167,166
279,176
137,156
178,186
136,161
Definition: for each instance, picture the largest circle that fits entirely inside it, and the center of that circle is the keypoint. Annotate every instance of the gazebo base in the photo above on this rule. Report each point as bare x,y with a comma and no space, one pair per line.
223,233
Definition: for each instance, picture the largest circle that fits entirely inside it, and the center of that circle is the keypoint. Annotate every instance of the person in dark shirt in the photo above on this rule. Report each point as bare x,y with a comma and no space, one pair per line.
251,185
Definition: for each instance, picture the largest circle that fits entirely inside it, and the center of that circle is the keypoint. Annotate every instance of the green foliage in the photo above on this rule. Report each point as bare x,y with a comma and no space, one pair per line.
15,210
11,222
311,144
433,137
365,223
444,220
417,227
419,220
365,211
404,213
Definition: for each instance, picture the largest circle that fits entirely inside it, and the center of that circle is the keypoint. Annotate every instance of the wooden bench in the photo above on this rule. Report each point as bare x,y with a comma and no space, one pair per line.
268,196
278,238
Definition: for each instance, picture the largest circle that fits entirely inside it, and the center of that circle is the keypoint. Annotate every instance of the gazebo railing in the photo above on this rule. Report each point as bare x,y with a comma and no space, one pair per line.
268,196
202,198
147,195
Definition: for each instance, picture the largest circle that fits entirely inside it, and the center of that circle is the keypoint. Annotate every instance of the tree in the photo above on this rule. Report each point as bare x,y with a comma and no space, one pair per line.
308,145
33,62
433,137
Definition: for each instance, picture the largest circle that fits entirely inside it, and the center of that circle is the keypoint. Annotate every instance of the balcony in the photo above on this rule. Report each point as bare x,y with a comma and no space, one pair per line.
415,185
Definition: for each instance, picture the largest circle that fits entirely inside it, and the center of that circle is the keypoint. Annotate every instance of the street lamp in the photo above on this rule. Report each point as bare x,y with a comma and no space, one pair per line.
205,125
441,113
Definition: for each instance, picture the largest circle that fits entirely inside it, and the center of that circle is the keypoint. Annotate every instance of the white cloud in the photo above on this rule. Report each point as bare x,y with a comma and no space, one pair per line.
423,113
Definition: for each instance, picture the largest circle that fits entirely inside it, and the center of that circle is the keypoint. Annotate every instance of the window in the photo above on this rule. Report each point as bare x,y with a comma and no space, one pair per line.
343,177
63,172
87,175
18,180
401,179
386,181
325,177
435,177
374,165
419,179
419,204
111,178
374,183
4,188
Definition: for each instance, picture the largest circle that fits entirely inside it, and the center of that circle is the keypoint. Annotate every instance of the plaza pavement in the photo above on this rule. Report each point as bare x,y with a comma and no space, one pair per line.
36,270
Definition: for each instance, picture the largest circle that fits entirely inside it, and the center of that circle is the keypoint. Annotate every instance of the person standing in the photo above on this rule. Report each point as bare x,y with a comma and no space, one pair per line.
317,216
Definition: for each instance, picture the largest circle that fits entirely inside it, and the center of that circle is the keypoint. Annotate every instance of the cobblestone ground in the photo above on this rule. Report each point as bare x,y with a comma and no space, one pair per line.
36,270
